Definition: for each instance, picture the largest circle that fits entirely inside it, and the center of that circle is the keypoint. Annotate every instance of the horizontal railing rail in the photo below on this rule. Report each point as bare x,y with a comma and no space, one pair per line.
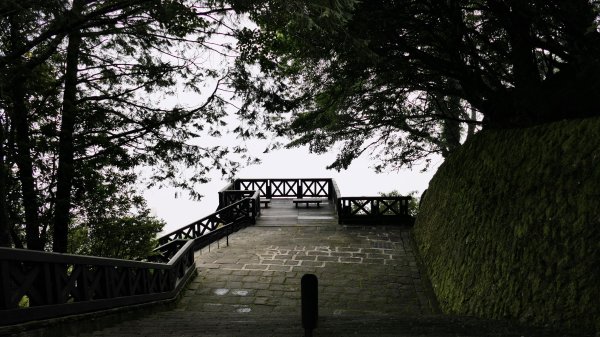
39,285
382,210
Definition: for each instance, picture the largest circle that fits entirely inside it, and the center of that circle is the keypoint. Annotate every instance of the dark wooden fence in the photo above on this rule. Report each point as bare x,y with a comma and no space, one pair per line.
374,210
228,197
219,224
39,285
350,210
288,188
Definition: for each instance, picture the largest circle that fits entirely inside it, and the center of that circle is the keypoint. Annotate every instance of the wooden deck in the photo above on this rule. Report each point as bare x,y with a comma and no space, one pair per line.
282,212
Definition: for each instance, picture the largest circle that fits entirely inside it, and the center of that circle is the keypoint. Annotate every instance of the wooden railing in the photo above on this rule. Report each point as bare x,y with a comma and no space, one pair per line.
228,197
374,210
287,188
217,225
350,210
38,285
334,194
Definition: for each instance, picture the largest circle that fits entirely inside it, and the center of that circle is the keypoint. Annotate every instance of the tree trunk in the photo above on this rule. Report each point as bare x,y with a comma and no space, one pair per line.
5,239
20,120
65,150
526,74
451,126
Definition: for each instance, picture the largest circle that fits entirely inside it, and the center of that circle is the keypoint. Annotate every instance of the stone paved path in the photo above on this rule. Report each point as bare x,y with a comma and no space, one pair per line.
369,284
261,274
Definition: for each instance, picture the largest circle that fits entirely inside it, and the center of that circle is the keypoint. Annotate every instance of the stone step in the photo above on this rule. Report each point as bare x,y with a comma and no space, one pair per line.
180,323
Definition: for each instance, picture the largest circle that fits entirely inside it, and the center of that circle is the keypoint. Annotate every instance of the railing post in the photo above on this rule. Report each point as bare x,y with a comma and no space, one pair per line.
340,211
221,203
107,286
83,289
49,297
405,203
251,204
256,207
5,289
299,189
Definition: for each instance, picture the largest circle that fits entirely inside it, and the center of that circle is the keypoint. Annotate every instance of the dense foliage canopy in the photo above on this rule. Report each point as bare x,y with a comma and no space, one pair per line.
85,92
86,88
404,76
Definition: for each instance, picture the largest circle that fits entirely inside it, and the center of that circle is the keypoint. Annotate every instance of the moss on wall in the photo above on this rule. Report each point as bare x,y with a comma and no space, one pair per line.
510,226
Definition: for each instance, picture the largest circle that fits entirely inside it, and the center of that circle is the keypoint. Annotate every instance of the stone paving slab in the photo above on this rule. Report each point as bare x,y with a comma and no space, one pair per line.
188,324
360,270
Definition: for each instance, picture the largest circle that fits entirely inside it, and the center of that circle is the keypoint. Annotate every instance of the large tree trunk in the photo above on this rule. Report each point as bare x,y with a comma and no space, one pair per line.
5,239
25,165
20,120
451,126
65,155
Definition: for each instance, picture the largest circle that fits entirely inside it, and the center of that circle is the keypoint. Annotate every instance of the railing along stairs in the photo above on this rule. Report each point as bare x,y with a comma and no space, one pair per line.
37,285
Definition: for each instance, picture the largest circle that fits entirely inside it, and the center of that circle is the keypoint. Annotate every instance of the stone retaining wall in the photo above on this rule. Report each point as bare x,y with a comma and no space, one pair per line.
510,226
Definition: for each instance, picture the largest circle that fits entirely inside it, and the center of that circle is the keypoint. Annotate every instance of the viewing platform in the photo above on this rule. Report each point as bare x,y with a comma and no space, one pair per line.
283,213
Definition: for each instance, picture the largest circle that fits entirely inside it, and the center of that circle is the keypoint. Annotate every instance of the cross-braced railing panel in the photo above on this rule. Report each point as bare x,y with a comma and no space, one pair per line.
261,185
385,210
290,188
315,187
284,187
393,206
195,229
360,207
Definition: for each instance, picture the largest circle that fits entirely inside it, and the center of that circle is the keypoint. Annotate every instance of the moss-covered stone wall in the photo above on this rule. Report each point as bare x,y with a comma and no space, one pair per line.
510,226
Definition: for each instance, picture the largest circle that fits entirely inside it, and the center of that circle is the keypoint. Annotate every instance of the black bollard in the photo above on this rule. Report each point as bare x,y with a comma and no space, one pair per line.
309,286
